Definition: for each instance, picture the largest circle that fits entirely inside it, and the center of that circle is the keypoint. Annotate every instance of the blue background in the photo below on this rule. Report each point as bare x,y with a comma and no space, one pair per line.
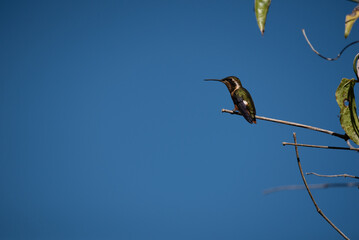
108,131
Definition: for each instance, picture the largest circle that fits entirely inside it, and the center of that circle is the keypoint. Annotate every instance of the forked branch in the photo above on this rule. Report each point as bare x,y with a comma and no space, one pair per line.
309,192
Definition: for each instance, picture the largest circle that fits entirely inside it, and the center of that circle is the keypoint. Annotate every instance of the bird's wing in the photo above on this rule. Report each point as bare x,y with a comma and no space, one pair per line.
251,108
242,107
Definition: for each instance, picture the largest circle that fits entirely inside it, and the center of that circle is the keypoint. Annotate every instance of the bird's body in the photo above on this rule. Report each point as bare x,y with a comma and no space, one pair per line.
242,99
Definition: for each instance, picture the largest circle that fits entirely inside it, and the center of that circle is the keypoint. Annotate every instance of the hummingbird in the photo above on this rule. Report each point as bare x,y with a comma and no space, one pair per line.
242,100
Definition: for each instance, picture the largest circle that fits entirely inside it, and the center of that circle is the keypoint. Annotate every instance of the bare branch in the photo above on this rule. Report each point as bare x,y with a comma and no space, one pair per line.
330,176
310,194
311,186
319,146
329,59
342,136
348,142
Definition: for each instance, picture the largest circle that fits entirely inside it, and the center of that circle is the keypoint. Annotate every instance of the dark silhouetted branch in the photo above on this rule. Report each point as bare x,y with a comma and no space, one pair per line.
319,146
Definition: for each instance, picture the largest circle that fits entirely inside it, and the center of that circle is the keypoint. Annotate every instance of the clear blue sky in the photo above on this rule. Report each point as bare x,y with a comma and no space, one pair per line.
108,131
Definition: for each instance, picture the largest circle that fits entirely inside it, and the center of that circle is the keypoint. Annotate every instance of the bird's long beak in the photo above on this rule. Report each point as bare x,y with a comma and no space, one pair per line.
218,80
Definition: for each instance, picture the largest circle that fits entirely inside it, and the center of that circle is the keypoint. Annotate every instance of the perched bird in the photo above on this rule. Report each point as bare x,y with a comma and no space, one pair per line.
242,100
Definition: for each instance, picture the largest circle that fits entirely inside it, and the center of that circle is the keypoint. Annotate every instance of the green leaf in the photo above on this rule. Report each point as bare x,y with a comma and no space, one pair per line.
261,9
348,110
350,20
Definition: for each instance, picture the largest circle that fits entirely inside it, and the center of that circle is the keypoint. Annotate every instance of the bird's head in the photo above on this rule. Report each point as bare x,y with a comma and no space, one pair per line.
231,82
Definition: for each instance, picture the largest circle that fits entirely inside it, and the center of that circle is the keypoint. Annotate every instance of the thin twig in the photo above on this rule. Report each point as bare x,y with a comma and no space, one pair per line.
319,146
342,136
329,59
311,186
348,142
310,194
330,176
